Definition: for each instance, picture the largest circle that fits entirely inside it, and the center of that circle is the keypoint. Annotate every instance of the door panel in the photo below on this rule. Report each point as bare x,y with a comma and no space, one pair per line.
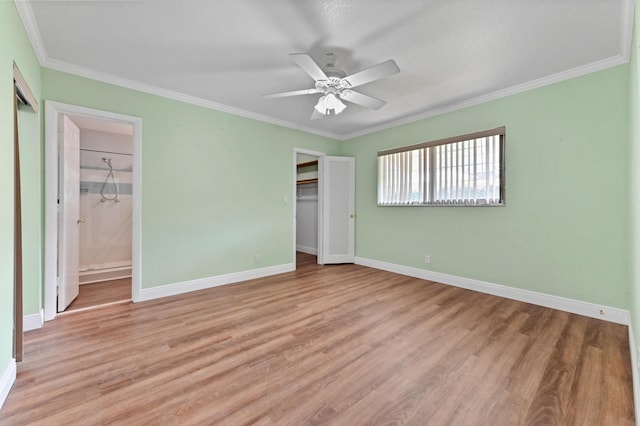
339,210
69,214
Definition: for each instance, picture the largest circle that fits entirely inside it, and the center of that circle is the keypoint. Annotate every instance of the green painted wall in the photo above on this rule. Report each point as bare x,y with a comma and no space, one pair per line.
634,138
213,186
564,230
15,47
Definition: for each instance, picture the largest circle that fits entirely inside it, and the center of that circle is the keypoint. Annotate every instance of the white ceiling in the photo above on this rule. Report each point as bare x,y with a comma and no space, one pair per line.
226,54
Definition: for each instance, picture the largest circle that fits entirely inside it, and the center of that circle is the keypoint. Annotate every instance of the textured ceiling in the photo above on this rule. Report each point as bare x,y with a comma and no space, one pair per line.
226,54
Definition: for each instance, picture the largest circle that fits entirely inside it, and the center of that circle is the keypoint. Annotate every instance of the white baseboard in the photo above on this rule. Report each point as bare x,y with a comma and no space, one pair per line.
308,250
607,313
7,380
634,372
104,274
33,321
202,283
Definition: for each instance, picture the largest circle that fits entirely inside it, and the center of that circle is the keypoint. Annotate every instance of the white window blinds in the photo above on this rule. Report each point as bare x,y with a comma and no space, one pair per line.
466,170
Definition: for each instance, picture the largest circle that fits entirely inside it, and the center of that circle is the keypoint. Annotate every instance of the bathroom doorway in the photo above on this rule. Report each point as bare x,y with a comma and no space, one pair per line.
92,208
105,170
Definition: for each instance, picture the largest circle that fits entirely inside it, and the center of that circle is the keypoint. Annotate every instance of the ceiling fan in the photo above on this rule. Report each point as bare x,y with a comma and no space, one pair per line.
336,86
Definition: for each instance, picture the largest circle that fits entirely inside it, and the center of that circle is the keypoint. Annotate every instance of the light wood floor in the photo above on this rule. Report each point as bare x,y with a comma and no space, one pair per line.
336,345
102,293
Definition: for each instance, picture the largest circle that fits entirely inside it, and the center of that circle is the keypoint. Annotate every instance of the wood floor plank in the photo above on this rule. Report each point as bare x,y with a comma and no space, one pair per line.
338,345
101,293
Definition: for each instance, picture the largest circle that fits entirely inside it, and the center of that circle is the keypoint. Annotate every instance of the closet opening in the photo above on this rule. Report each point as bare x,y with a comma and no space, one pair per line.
324,208
307,207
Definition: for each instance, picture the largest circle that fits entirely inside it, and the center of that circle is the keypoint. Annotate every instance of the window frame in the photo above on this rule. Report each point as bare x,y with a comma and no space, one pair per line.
498,131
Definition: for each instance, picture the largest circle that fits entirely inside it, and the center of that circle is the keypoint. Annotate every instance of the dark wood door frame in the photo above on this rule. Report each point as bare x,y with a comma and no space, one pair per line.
21,94
17,237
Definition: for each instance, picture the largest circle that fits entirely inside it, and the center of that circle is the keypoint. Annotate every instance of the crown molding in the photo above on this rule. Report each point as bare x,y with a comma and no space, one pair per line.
29,22
33,32
626,34
178,96
626,29
514,90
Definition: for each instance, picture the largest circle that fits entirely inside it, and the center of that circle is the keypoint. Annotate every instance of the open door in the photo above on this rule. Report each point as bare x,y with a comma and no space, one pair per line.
69,213
339,210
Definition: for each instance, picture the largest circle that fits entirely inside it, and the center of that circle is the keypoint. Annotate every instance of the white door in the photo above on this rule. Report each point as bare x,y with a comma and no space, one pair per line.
69,213
339,210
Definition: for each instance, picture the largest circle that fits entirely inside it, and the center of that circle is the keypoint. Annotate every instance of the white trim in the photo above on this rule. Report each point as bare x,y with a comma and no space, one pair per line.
308,250
607,313
193,100
52,109
7,380
203,283
28,20
105,274
626,30
514,90
33,321
634,372
50,213
180,97
33,32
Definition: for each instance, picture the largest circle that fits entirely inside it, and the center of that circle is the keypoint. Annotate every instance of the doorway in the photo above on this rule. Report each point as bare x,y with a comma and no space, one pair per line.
324,207
308,210
307,213
105,169
92,248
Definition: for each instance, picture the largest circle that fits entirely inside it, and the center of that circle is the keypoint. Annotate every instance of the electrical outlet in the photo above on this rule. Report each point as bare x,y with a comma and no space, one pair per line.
427,259
257,258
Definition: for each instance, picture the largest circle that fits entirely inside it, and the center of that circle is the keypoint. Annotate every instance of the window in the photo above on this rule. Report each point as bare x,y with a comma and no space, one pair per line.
466,170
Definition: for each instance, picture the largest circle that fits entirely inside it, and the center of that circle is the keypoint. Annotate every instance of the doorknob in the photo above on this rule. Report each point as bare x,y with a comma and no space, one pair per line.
80,221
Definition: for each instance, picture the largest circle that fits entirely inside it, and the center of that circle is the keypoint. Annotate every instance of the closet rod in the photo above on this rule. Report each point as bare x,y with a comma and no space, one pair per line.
105,152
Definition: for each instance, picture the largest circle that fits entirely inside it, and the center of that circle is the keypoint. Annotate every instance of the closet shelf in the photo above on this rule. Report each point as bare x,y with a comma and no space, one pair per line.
307,172
308,164
306,181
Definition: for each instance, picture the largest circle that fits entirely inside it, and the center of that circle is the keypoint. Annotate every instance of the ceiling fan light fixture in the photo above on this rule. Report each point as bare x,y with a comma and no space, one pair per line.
340,106
329,102
336,86
320,106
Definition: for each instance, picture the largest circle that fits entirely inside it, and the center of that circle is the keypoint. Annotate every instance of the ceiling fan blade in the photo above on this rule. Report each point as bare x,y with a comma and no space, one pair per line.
316,115
309,66
376,72
361,99
292,93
